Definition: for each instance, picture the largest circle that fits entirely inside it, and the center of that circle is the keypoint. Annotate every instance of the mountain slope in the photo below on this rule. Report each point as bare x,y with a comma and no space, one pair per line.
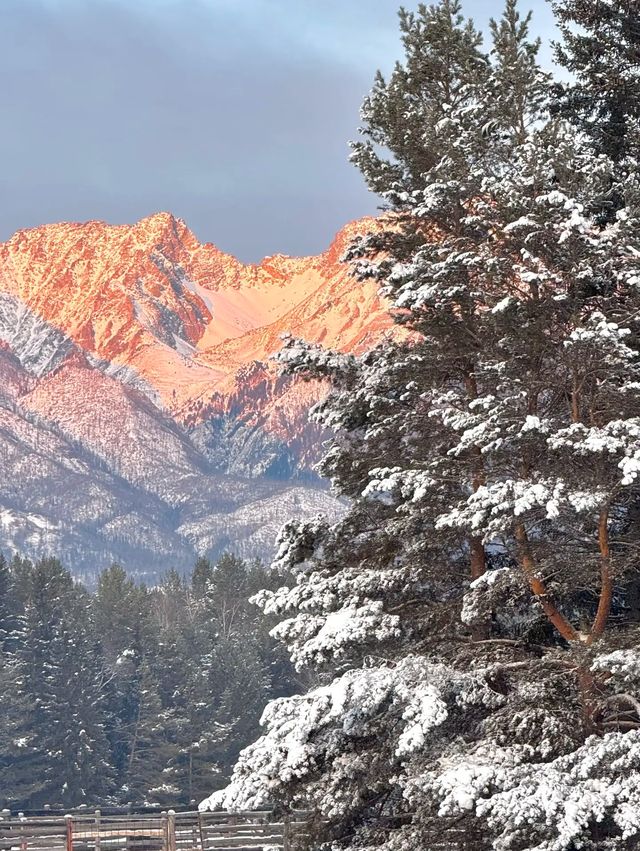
184,316
141,418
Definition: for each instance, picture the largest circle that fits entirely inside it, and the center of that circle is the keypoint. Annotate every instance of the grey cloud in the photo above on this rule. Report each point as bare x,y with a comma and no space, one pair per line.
113,112
233,114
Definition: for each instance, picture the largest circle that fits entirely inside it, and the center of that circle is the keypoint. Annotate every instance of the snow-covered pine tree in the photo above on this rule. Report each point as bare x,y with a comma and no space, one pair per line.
201,576
7,603
518,87
20,763
600,47
122,625
150,746
443,68
455,620
232,670
63,680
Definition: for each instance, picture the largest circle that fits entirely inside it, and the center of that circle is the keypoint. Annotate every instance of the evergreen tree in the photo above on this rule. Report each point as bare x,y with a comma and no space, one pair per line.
121,615
215,668
20,570
600,47
150,748
19,760
201,576
457,618
7,604
519,89
63,680
229,589
179,673
242,684
444,66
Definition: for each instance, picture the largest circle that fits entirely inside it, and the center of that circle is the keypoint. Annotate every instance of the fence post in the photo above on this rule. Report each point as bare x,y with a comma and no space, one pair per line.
195,833
286,832
96,840
201,830
171,830
69,820
165,830
23,838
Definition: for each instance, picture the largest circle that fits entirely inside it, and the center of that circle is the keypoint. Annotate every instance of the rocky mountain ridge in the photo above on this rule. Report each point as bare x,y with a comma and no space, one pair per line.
141,418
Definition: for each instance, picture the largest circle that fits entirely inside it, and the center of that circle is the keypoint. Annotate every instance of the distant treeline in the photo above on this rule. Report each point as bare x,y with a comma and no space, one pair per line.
129,694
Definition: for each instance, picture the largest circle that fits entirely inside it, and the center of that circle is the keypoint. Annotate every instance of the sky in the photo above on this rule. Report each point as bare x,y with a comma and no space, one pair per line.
232,114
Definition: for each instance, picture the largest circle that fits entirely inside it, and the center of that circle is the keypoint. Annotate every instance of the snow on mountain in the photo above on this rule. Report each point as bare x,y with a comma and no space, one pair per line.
36,344
55,498
184,316
139,408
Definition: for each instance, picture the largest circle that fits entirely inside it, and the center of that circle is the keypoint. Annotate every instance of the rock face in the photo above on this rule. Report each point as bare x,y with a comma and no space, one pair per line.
141,419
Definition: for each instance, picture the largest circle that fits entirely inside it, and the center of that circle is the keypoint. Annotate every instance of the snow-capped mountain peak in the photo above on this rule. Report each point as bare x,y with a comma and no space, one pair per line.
145,356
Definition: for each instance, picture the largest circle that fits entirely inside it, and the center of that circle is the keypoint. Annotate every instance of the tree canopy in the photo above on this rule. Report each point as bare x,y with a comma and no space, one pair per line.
471,624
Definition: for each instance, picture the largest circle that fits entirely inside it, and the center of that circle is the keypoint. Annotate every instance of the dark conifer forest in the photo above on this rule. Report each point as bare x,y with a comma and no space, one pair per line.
128,694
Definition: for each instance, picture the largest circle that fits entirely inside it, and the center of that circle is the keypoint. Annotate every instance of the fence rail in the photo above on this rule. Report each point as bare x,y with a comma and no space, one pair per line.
167,831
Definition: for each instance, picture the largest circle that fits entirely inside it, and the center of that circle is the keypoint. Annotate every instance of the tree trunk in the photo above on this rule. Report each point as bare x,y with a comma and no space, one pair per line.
566,630
606,578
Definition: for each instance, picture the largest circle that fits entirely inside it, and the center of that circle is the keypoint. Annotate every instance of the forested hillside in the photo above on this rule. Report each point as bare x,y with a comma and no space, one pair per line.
129,694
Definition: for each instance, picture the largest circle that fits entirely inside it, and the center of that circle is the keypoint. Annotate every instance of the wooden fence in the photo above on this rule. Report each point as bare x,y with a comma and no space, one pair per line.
167,831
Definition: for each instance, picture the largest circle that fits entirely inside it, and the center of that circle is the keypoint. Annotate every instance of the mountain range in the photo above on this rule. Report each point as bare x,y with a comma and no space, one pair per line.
142,419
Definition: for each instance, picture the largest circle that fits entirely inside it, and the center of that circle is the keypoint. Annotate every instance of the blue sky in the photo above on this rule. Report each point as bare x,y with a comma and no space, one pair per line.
233,114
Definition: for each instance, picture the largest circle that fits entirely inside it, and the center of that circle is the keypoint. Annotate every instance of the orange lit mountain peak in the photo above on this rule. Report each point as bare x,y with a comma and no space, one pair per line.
183,315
